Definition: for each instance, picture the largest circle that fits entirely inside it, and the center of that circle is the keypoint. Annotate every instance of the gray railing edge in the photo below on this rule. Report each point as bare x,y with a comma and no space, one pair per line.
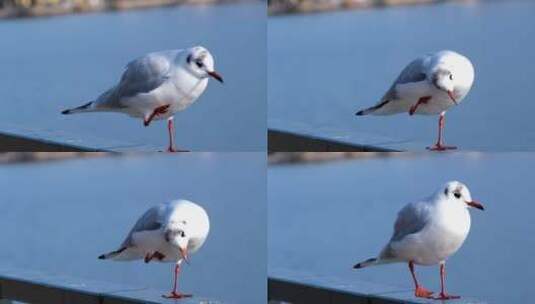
279,140
18,143
300,288
36,288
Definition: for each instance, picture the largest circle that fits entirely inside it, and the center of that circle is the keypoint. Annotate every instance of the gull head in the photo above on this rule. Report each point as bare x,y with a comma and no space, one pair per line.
452,73
457,193
178,235
200,63
444,79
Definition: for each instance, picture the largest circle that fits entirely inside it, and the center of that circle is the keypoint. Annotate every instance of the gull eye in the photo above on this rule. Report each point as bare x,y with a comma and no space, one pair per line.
199,63
457,195
451,76
182,234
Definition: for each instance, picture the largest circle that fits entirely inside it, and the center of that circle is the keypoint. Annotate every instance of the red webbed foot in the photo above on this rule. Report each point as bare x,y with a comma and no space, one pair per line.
441,147
177,295
421,292
422,100
413,109
158,111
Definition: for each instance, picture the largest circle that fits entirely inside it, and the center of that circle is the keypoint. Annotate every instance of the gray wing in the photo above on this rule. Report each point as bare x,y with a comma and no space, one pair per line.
150,220
413,72
146,73
411,219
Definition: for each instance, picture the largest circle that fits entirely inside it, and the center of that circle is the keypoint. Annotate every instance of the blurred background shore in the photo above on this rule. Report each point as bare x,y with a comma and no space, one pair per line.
276,7
277,158
25,157
31,8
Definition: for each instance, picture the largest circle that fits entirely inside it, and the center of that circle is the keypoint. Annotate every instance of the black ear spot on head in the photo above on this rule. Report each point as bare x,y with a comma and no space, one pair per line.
189,58
446,191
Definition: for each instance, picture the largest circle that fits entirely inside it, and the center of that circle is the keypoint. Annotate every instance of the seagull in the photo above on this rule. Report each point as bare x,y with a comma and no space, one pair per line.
168,232
429,85
156,86
428,232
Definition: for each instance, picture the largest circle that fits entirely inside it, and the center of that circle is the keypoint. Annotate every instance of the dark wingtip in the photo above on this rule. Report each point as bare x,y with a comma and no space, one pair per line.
102,257
65,112
357,266
360,113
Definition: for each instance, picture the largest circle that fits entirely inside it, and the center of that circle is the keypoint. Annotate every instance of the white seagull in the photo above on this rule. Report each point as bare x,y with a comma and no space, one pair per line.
156,86
428,232
429,85
168,232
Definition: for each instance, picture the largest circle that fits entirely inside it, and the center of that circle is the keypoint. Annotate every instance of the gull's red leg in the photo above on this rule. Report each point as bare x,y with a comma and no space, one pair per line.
439,146
443,295
419,291
175,294
420,101
171,129
158,111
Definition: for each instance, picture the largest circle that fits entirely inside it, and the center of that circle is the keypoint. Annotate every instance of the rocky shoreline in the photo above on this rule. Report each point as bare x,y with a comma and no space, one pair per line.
34,8
278,7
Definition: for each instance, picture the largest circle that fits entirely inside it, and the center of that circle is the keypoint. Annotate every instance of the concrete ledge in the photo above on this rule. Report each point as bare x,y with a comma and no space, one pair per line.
15,143
302,288
279,141
37,288
18,138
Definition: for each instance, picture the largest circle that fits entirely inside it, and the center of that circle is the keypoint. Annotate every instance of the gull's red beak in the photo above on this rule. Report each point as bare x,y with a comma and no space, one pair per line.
450,94
216,76
475,204
184,254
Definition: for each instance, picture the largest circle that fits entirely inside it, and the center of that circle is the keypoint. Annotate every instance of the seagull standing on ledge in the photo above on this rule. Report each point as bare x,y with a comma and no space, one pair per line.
428,232
156,86
168,232
429,85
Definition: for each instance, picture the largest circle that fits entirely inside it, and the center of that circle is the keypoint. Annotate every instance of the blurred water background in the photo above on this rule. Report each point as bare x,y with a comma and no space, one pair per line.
323,218
58,217
324,67
48,64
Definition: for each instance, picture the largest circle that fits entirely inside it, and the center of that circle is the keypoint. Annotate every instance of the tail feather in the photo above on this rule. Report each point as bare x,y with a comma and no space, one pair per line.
364,112
88,107
371,109
111,255
368,262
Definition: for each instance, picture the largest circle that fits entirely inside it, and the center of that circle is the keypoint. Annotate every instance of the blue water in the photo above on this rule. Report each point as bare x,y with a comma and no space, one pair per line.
48,64
58,217
324,67
322,219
